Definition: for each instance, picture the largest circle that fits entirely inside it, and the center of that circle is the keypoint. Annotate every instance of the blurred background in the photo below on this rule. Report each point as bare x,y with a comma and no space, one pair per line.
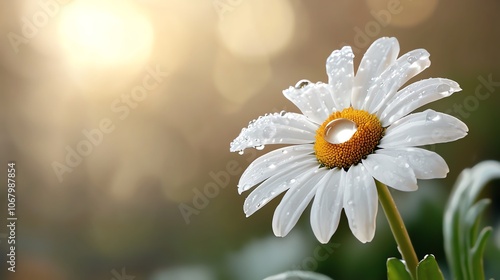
119,116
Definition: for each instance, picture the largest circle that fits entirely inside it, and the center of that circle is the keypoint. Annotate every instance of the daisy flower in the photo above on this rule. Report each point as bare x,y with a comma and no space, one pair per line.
353,130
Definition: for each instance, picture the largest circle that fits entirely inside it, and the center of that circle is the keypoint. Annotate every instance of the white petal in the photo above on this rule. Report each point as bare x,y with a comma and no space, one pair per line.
392,171
360,202
340,70
272,163
415,96
382,53
296,200
298,275
425,164
423,128
327,205
275,185
277,128
387,84
314,100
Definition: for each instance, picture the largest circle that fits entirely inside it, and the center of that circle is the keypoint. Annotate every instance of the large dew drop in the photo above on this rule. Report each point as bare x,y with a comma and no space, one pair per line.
339,131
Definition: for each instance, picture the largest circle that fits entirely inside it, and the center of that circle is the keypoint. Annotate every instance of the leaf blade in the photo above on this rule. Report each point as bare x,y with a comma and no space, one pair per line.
396,270
428,269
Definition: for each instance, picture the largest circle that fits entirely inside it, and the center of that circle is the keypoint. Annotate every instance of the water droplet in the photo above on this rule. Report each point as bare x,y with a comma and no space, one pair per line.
432,116
411,59
272,165
261,147
302,83
241,152
339,131
269,132
443,88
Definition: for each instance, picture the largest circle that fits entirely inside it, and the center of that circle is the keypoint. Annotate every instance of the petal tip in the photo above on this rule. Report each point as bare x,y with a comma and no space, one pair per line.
363,237
323,241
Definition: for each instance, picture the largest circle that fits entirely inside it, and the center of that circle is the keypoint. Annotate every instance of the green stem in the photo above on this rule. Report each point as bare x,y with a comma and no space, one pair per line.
398,228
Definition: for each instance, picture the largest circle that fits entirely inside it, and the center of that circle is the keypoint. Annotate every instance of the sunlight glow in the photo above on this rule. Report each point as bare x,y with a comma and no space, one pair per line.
105,33
258,28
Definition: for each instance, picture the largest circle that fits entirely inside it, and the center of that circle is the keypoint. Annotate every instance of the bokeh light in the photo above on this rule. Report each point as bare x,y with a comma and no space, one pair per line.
258,28
109,33
402,13
239,80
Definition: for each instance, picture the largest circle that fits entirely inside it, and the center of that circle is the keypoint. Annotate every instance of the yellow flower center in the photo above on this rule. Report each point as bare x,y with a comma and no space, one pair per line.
347,137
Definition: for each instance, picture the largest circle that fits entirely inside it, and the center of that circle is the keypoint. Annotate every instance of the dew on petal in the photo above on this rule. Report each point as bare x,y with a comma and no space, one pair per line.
432,116
241,152
444,88
411,59
302,83
269,132
340,130
271,166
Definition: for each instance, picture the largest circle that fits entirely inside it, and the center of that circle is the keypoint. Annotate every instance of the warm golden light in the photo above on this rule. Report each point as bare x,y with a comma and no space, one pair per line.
258,28
231,78
404,13
105,33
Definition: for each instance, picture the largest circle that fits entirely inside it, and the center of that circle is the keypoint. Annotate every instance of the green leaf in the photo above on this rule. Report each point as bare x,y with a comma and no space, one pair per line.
428,269
464,244
478,250
472,217
396,270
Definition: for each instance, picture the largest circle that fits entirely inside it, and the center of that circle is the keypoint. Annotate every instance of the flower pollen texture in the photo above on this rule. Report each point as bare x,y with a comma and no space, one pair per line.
351,152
